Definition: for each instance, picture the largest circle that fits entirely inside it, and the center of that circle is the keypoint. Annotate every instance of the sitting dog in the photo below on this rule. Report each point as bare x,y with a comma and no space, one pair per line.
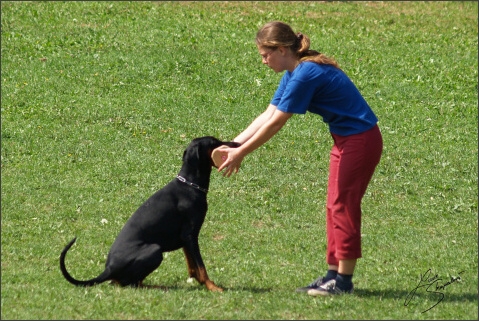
169,220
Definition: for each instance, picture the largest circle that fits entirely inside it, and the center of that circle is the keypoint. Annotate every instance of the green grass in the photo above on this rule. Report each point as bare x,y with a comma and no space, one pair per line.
99,100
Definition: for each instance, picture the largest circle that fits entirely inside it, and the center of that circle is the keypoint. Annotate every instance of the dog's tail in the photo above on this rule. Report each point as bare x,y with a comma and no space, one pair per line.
99,279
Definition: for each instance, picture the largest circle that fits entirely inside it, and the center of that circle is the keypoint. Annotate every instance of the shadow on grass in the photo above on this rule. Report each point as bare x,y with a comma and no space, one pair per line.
249,289
402,295
379,294
199,287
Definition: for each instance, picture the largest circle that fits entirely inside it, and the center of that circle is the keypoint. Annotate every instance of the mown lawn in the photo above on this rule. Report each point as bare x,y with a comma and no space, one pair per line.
99,100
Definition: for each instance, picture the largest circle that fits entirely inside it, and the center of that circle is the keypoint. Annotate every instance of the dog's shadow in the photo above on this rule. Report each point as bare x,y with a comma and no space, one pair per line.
166,288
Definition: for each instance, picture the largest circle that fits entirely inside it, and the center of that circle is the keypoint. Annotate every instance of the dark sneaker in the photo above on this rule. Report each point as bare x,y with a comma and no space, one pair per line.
328,288
313,285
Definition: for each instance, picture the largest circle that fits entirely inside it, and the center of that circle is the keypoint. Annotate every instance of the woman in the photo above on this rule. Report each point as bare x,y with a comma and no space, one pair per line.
315,83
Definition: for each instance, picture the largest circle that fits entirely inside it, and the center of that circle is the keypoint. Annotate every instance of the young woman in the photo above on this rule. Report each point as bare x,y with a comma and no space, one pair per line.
314,82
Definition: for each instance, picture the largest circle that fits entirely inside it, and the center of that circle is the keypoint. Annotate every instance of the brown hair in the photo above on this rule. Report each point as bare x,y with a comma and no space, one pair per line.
278,34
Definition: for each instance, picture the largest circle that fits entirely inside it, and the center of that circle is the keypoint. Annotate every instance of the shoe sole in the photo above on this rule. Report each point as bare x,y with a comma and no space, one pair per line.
315,292
301,290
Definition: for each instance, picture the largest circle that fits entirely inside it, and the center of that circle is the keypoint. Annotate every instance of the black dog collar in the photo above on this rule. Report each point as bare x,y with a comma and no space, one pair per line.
182,179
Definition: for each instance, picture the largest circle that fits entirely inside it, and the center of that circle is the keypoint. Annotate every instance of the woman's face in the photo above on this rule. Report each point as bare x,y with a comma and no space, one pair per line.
271,58
277,59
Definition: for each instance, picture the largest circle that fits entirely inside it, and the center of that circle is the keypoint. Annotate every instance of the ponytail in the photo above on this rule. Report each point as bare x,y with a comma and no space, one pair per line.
306,54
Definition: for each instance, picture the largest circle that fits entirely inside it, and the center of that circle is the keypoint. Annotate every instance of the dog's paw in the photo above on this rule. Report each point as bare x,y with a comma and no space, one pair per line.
216,289
213,287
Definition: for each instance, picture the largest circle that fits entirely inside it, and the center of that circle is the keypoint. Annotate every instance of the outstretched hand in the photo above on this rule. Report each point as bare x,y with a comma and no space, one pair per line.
232,162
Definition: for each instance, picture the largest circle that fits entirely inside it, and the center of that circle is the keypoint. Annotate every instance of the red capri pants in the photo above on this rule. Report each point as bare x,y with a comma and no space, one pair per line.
353,160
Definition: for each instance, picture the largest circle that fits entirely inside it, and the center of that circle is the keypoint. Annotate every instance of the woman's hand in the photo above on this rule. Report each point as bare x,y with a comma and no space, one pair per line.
233,161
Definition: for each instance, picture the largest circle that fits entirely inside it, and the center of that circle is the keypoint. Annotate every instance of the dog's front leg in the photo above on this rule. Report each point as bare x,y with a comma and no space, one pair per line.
196,267
190,264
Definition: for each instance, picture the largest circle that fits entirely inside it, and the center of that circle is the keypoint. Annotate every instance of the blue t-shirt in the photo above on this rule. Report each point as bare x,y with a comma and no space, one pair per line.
327,91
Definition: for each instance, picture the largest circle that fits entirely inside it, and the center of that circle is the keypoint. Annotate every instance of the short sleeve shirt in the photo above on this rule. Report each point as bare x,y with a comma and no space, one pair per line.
327,91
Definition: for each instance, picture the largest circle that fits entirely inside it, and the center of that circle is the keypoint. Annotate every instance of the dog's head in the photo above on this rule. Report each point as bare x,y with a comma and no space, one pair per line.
198,152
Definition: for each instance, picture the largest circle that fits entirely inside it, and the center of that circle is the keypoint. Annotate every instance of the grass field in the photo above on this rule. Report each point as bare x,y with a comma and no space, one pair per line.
99,100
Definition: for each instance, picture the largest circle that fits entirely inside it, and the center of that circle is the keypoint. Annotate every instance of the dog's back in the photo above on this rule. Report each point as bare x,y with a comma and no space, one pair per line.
161,219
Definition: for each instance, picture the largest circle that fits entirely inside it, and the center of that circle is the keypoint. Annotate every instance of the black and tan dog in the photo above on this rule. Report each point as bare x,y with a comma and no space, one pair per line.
169,220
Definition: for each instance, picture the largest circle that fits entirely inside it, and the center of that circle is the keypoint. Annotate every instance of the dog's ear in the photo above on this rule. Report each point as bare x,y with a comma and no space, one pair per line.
231,144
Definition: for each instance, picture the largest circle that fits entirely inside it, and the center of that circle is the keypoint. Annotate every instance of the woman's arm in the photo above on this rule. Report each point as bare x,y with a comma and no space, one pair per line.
267,130
245,135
